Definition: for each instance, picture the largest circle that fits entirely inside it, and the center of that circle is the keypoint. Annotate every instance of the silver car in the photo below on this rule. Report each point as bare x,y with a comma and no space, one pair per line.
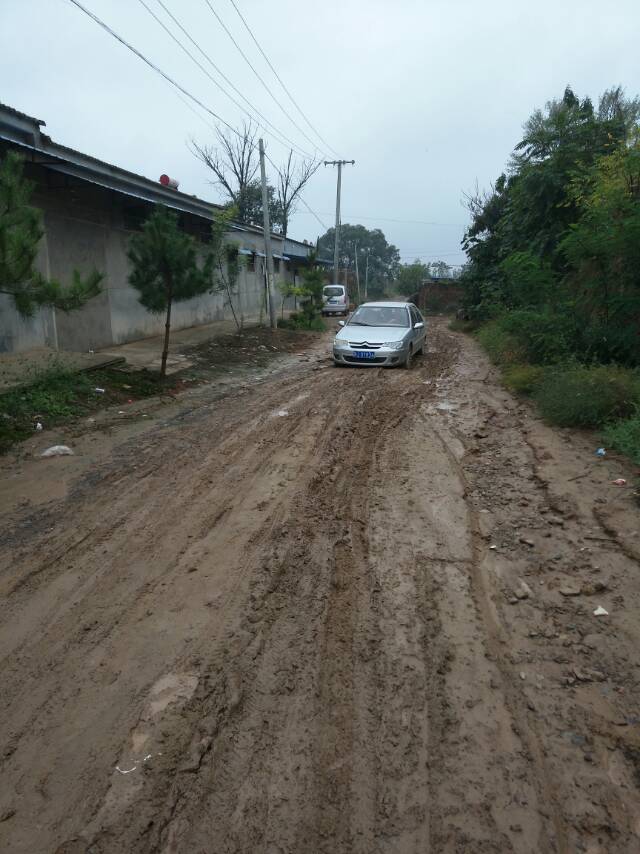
380,333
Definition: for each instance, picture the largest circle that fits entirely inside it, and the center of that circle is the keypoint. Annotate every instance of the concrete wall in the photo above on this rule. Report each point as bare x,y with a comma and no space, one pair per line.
86,229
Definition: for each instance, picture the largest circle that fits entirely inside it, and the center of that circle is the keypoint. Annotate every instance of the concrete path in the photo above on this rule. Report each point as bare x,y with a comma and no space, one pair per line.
147,352
18,369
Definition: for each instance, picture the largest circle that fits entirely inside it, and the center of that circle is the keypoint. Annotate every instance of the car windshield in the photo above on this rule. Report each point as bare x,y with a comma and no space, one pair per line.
333,291
380,315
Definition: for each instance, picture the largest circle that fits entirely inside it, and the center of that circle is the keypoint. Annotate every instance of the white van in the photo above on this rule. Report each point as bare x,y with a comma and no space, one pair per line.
335,300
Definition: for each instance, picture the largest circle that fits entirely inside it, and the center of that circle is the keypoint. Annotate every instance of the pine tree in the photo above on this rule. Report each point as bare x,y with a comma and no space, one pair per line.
20,233
165,268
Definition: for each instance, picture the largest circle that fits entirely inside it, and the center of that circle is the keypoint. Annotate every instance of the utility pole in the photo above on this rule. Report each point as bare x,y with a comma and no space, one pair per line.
273,317
366,278
336,245
357,273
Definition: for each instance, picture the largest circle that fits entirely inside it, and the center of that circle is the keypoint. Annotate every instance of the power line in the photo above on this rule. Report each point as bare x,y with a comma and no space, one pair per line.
403,221
148,62
173,83
276,131
279,79
311,211
257,74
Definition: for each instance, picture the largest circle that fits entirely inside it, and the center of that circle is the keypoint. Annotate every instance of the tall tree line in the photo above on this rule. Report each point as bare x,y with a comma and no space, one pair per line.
558,233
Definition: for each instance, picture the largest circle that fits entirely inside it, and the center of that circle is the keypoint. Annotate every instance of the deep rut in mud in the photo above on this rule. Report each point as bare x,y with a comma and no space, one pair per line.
250,631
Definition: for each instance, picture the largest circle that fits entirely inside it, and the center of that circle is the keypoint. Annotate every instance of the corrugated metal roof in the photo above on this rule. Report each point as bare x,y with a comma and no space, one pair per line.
68,161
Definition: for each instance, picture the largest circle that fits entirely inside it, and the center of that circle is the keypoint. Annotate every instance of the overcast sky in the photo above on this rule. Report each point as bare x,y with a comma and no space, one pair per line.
427,96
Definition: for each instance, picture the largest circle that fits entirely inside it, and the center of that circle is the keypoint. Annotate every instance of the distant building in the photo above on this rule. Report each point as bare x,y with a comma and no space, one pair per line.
90,210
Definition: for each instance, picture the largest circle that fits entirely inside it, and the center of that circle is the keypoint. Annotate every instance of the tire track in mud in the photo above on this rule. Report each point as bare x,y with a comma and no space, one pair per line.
350,683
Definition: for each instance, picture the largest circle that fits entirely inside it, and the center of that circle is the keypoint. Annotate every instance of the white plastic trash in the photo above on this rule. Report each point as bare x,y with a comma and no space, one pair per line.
57,451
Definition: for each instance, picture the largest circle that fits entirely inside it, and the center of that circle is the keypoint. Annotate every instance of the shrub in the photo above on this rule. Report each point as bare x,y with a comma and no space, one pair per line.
523,379
579,396
502,347
624,436
303,320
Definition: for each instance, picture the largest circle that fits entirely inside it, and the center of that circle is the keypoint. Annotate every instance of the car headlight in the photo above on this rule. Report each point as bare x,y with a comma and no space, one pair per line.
339,344
394,345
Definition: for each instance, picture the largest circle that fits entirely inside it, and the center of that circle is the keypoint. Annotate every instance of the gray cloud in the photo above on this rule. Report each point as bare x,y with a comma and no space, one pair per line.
426,96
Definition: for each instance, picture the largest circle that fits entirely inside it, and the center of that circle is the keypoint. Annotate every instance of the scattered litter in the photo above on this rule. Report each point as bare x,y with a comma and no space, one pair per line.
57,451
445,406
91,420
601,452
99,390
38,426
493,548
144,415
523,675
600,612
282,413
121,412
527,542
135,764
620,481
130,400
426,382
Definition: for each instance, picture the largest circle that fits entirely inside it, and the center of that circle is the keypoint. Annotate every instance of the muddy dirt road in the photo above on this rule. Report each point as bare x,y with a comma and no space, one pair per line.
330,611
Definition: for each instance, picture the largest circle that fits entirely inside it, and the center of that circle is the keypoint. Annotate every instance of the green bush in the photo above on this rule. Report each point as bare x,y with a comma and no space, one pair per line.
523,379
534,337
303,320
579,396
624,436
502,347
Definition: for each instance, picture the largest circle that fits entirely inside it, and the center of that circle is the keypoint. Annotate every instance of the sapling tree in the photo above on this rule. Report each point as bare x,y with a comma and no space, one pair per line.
20,234
165,268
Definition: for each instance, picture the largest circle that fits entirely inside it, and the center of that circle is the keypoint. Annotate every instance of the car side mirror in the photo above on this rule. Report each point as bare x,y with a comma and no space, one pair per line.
341,323
418,325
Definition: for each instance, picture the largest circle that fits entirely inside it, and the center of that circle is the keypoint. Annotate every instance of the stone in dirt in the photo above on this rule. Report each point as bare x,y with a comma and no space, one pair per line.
570,590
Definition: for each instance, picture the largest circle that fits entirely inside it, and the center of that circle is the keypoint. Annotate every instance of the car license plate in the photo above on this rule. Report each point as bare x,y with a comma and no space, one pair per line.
364,354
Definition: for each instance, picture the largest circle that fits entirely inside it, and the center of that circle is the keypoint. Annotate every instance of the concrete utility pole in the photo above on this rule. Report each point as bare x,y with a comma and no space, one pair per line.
273,317
336,245
366,278
357,273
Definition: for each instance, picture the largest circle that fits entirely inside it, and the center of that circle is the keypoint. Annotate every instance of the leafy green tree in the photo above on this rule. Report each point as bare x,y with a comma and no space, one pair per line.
165,268
309,294
384,258
411,277
20,233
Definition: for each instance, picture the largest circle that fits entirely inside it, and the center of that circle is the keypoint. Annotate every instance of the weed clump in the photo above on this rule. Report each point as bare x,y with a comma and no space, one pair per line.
584,396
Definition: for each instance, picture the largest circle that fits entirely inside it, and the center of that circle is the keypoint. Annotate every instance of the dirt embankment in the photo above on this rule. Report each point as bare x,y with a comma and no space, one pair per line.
332,611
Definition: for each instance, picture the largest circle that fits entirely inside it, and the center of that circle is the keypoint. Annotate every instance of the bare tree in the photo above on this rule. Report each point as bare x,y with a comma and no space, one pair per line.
292,178
234,163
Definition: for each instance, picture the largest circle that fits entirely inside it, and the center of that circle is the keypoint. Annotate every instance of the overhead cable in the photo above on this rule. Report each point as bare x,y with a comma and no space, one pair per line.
279,79
259,77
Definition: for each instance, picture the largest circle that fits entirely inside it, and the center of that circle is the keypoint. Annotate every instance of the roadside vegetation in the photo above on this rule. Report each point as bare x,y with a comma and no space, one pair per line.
309,295
58,395
552,289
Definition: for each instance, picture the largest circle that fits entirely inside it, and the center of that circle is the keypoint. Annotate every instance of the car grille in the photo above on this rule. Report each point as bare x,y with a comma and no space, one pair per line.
362,345
357,361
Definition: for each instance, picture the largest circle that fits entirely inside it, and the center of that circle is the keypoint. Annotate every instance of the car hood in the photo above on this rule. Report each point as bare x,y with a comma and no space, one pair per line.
372,334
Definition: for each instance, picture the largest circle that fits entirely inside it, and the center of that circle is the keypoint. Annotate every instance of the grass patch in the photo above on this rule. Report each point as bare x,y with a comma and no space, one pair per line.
503,347
58,395
581,396
523,379
459,325
624,436
300,321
